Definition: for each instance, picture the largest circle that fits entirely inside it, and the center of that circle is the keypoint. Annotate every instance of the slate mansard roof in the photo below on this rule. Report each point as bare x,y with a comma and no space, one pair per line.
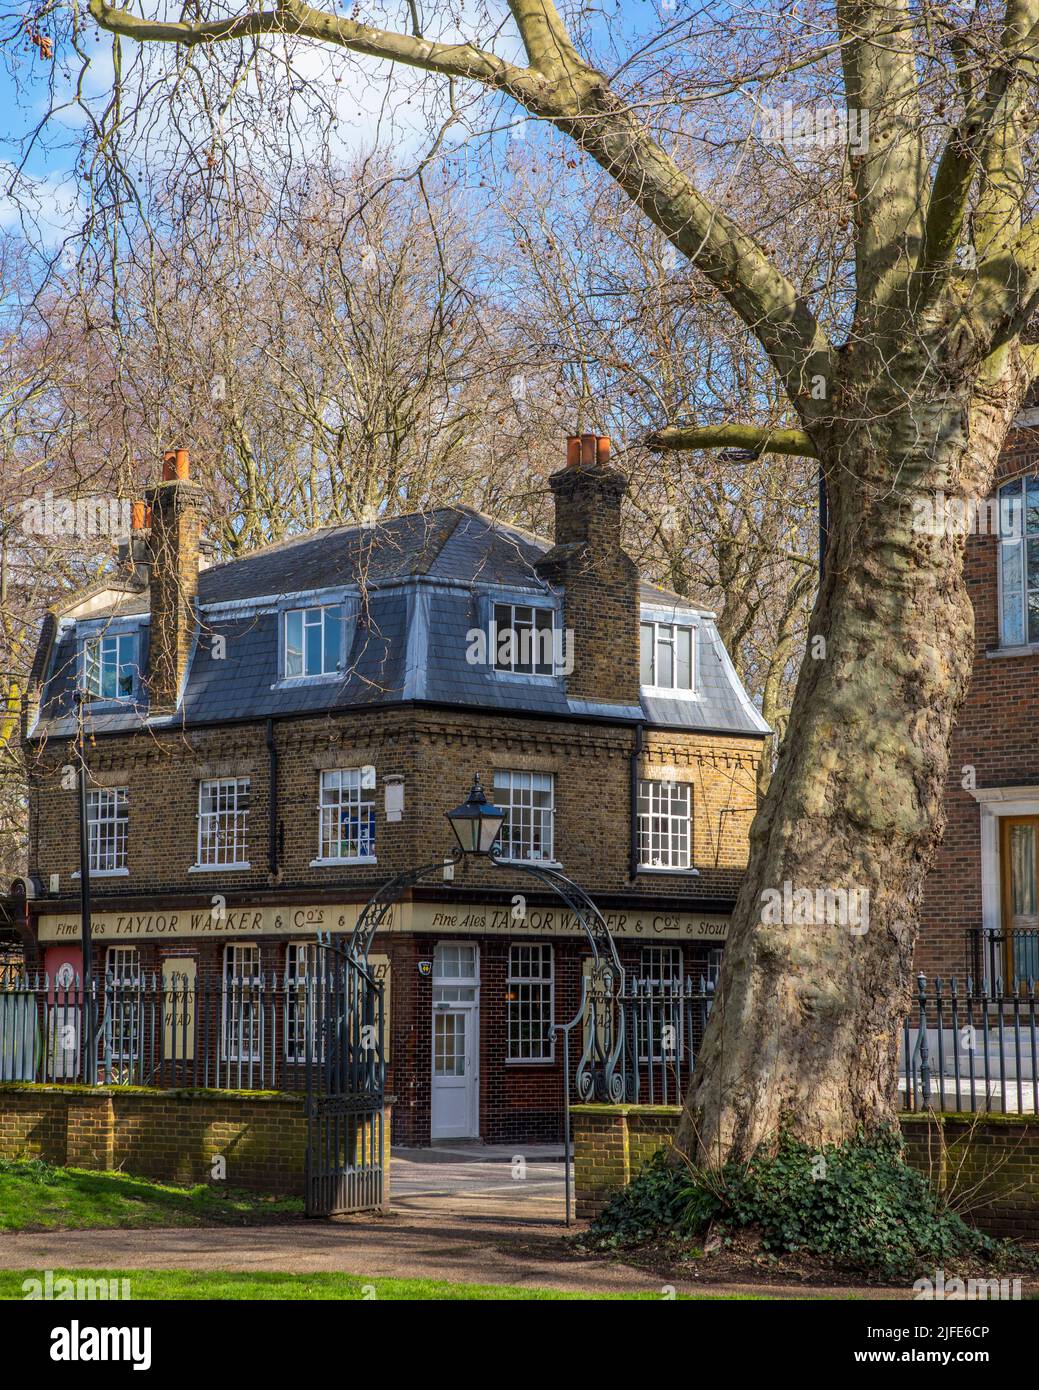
413,588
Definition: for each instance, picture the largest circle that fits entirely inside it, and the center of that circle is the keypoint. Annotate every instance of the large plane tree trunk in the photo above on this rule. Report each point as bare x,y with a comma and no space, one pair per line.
803,1038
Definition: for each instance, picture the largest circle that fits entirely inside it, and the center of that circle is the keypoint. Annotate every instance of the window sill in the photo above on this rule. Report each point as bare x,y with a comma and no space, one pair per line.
217,868
655,869
106,873
530,1061
532,863
293,682
524,677
333,863
1030,649
663,692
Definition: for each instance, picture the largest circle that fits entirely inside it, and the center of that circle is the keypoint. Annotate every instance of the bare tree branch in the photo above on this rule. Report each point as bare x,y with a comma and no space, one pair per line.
759,439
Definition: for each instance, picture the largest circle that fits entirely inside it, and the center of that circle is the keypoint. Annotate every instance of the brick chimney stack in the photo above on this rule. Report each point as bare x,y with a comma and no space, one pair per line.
175,507
600,581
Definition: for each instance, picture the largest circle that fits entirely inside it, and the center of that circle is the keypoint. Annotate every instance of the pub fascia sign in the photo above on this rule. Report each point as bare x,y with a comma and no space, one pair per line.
404,917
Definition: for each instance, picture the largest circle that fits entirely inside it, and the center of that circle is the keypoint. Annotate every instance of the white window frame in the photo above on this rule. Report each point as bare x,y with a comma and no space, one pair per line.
662,974
660,795
1014,533
301,986
108,822
123,965
523,782
251,975
515,628
536,993
226,826
331,802
673,626
312,616
95,650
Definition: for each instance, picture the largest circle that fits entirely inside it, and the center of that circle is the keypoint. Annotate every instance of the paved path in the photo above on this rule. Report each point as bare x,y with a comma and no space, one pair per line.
524,1185
466,1249
458,1214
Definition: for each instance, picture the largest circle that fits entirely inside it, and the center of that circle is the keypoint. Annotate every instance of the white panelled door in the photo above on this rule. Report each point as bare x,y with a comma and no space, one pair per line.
456,1041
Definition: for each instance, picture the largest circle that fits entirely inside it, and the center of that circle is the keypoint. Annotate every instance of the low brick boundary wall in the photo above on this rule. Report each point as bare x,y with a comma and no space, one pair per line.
987,1164
172,1136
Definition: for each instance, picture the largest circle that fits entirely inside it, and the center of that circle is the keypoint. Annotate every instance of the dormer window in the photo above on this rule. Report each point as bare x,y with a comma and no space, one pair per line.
1019,562
524,639
314,640
110,666
666,656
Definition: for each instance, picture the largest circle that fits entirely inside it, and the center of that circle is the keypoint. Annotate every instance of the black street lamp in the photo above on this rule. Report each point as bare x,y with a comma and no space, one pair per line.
477,822
86,935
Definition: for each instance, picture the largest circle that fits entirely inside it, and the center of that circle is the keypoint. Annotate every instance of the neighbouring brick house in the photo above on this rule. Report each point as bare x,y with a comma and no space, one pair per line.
981,903
281,733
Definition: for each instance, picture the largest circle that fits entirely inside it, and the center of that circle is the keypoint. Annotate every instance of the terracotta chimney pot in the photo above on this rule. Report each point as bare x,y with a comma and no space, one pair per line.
176,466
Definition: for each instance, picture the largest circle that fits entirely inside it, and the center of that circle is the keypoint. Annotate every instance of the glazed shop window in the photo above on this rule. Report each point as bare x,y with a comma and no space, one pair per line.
529,994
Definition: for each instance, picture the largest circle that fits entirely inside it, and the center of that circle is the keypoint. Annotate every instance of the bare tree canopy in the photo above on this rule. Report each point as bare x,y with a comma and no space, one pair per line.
888,275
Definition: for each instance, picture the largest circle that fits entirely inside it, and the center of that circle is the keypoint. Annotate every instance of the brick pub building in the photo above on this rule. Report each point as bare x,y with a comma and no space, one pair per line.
981,902
270,739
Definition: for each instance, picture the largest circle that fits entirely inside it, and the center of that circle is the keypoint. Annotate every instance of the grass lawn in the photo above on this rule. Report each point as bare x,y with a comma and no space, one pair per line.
34,1197
169,1284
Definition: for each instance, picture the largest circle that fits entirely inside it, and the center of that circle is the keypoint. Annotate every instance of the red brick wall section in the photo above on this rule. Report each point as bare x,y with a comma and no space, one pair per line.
986,1167
995,742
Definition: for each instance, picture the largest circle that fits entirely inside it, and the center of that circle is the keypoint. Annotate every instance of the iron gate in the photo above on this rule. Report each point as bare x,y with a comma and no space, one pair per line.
339,1012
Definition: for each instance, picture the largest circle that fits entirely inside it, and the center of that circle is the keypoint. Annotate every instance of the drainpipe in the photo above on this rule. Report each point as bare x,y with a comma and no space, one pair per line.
633,842
272,801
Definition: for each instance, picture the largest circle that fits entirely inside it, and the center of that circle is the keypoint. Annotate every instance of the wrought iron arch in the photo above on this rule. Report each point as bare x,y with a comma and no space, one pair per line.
600,1074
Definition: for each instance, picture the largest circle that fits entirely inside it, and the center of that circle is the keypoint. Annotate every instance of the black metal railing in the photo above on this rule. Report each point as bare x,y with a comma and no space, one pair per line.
238,1032
971,1047
664,1024
995,956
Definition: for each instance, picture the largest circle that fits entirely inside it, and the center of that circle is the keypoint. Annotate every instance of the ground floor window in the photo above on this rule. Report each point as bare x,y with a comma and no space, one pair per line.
529,994
301,1004
121,1018
242,1004
661,1023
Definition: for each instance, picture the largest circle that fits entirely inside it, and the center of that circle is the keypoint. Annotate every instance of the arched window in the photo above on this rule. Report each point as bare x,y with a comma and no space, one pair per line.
1019,562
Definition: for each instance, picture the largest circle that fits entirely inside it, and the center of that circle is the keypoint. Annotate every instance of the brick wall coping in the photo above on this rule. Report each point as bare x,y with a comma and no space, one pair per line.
674,1110
905,1117
976,1117
105,1092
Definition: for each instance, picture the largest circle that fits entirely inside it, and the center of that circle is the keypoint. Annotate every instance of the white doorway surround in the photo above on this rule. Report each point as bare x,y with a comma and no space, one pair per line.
456,1041
995,803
